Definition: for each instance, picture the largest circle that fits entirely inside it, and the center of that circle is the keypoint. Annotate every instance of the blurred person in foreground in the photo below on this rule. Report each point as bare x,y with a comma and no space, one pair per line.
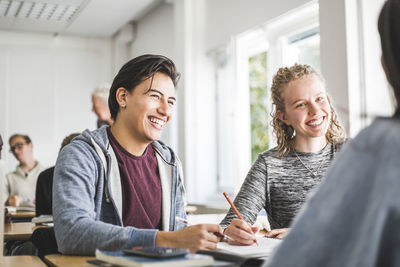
353,219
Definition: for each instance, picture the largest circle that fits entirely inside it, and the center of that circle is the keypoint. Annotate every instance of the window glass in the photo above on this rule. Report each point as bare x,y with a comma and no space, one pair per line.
258,104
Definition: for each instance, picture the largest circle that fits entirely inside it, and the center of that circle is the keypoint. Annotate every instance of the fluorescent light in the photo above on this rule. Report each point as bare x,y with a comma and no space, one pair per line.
13,9
50,10
25,10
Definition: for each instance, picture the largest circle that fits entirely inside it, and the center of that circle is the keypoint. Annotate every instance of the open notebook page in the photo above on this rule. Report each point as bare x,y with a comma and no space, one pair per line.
264,249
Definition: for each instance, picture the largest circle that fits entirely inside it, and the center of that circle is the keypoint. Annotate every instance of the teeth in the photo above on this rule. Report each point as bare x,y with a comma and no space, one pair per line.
315,123
159,122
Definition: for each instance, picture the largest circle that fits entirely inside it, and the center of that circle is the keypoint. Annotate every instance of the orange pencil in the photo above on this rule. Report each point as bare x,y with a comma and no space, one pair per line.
236,211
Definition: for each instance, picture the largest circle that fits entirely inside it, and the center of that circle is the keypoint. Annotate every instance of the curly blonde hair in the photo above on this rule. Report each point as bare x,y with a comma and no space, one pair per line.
284,133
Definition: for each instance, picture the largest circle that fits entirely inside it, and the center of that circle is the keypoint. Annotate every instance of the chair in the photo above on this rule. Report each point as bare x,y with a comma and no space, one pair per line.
45,241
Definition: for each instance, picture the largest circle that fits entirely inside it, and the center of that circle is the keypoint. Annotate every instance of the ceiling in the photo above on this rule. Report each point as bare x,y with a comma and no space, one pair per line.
101,18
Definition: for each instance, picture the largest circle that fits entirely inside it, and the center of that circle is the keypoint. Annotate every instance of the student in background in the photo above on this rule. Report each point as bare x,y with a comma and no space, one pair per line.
353,219
44,185
100,105
20,185
2,171
119,187
7,216
308,135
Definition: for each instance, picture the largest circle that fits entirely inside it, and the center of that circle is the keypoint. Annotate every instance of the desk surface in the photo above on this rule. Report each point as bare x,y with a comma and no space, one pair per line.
58,260
22,214
17,261
18,231
61,260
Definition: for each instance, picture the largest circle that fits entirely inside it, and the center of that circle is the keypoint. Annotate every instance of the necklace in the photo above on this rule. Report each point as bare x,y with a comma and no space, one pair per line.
313,173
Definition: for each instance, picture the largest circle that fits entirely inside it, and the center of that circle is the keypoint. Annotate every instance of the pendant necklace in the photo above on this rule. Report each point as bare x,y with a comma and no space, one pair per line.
314,174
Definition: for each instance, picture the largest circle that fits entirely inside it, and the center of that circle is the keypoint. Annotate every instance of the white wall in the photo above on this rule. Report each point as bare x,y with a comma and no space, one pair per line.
45,87
154,34
350,61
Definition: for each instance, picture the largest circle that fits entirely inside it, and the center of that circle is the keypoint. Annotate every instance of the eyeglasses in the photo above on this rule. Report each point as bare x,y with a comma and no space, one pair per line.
17,146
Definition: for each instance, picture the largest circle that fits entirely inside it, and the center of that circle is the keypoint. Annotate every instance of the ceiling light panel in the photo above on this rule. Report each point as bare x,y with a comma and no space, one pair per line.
4,7
50,10
12,9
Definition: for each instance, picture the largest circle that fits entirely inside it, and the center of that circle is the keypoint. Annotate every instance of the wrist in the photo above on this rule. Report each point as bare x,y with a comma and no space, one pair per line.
164,239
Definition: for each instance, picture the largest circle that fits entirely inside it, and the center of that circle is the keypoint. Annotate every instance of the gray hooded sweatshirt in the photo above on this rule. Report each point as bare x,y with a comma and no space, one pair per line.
87,197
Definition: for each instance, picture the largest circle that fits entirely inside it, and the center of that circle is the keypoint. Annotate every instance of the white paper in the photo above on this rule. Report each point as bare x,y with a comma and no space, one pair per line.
264,248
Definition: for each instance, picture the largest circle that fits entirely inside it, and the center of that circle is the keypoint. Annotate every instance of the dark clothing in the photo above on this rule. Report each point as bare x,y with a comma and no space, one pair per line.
44,192
141,187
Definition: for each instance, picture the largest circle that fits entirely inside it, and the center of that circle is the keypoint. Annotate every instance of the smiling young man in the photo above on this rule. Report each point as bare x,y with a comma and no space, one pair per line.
20,184
118,187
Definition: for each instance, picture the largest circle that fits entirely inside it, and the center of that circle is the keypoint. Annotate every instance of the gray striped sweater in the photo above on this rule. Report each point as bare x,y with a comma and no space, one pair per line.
280,185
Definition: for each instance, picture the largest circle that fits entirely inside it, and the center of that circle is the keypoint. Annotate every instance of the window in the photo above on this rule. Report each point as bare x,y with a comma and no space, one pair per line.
258,104
244,71
303,48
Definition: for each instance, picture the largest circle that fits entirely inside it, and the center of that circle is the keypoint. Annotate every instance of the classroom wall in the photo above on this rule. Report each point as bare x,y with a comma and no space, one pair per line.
45,88
154,34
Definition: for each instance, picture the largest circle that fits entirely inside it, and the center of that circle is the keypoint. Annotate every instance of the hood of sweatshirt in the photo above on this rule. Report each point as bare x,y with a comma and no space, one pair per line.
99,136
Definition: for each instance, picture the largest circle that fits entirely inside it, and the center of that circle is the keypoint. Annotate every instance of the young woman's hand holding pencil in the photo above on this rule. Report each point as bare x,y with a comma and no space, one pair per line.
240,224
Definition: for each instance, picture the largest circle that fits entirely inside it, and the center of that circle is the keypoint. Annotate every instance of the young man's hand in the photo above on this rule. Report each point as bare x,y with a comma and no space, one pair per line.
194,238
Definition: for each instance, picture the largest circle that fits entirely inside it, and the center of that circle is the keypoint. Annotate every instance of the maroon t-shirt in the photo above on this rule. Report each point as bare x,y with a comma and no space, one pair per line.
141,187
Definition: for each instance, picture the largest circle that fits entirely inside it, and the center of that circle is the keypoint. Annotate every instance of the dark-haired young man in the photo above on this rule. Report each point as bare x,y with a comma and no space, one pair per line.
20,184
118,187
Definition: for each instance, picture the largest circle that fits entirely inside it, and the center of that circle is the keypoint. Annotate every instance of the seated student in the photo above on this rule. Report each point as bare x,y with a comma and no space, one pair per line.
353,219
44,185
7,216
308,136
19,188
118,187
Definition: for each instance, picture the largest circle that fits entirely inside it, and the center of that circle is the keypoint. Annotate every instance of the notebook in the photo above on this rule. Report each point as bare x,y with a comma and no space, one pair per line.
12,209
121,259
264,249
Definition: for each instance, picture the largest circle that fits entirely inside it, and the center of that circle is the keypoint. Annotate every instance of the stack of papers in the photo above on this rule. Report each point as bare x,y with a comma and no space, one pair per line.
12,209
44,220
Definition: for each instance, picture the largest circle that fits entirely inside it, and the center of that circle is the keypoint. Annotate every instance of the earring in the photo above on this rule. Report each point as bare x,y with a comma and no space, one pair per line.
122,105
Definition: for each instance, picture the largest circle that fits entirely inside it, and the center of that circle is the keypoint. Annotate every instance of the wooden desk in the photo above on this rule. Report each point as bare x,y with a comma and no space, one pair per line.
63,260
17,261
58,260
18,231
22,215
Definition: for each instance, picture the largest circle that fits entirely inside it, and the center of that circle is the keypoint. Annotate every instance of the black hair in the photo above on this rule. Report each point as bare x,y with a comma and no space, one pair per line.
389,31
25,137
136,71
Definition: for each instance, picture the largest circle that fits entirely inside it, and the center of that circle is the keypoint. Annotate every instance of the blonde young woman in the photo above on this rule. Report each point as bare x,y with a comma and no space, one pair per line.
308,137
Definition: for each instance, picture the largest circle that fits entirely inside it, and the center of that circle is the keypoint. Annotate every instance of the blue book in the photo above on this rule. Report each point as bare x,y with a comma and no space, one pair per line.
122,259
